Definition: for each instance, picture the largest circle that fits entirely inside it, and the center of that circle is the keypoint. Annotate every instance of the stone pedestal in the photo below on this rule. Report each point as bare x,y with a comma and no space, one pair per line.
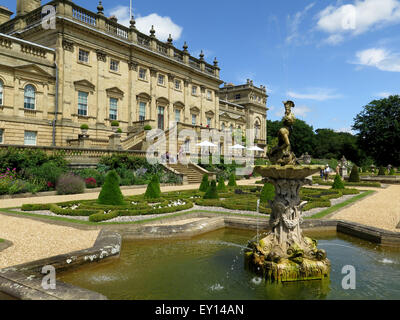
285,254
343,171
84,141
115,141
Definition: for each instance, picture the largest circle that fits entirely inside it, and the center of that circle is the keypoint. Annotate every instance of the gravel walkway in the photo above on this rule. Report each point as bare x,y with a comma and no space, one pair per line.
34,240
381,210
314,211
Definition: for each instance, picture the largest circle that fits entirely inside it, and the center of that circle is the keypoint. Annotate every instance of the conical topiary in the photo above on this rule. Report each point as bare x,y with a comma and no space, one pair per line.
212,192
221,185
110,192
267,193
338,183
354,175
204,183
382,171
153,190
232,180
392,172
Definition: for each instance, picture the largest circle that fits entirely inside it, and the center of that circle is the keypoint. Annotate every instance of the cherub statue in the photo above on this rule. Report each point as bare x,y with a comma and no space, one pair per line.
282,154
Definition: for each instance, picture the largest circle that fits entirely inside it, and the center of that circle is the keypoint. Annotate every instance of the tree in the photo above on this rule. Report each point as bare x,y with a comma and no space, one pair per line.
221,185
267,193
204,183
110,193
338,183
153,190
212,192
378,127
232,180
354,175
301,137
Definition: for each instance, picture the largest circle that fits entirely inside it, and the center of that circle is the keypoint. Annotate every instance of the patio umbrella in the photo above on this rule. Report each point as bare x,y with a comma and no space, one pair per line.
206,144
255,148
237,147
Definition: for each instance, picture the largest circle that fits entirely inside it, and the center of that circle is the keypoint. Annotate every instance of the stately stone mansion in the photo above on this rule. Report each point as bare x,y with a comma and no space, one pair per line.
73,66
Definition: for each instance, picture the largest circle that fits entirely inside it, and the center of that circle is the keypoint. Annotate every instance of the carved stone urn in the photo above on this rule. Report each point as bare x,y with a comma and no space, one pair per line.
285,254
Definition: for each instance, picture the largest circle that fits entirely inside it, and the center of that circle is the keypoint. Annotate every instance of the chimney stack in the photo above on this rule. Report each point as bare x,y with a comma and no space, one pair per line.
5,14
26,6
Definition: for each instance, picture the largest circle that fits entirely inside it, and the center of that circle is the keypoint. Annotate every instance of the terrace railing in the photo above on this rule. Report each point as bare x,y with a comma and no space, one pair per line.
84,16
117,29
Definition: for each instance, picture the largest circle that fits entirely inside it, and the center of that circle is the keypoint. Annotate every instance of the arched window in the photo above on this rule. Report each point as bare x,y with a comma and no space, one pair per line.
257,128
1,93
29,97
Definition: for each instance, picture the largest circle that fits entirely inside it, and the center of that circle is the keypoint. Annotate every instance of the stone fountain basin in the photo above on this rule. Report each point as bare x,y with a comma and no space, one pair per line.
289,172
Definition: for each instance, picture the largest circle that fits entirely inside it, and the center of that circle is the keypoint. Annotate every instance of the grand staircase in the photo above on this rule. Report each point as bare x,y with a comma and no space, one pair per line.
194,174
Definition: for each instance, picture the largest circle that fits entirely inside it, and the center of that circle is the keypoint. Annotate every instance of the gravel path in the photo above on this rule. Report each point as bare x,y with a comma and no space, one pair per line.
381,210
34,240
314,211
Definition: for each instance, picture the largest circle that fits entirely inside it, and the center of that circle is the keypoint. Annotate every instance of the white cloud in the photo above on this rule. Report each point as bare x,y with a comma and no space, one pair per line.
301,111
293,23
346,130
319,94
384,94
164,26
380,58
357,18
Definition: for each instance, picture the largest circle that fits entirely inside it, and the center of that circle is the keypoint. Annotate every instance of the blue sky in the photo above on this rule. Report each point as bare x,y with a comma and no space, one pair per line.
330,57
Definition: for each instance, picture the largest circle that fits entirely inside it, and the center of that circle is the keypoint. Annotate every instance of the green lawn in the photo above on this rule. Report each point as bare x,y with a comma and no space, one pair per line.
245,200
339,206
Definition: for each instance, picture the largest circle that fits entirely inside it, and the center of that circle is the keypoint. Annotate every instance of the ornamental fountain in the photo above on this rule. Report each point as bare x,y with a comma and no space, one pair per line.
285,254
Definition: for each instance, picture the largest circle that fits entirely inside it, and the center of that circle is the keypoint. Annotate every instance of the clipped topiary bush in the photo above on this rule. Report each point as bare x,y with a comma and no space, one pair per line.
70,184
153,190
338,183
212,192
204,183
114,123
147,127
232,180
354,175
382,171
221,185
392,172
267,193
110,193
84,126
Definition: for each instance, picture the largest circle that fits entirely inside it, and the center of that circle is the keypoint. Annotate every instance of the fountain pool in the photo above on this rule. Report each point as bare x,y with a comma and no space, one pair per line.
211,267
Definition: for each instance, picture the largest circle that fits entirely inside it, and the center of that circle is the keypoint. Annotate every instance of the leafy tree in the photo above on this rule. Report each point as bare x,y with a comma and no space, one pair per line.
354,175
302,136
110,193
378,127
382,171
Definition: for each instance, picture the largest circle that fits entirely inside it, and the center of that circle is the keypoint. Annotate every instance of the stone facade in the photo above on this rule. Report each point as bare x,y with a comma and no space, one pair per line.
92,70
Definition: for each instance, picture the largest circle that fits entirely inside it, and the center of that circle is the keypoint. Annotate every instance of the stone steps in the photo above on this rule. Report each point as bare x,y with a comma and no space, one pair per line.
193,176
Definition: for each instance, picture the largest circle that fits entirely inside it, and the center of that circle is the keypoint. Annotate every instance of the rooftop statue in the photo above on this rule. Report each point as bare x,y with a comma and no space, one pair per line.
282,154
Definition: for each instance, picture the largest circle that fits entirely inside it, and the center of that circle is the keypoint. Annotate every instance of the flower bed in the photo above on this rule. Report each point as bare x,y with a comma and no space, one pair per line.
238,198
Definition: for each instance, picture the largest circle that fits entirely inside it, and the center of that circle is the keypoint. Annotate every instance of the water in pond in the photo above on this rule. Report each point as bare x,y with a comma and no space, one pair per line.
211,267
